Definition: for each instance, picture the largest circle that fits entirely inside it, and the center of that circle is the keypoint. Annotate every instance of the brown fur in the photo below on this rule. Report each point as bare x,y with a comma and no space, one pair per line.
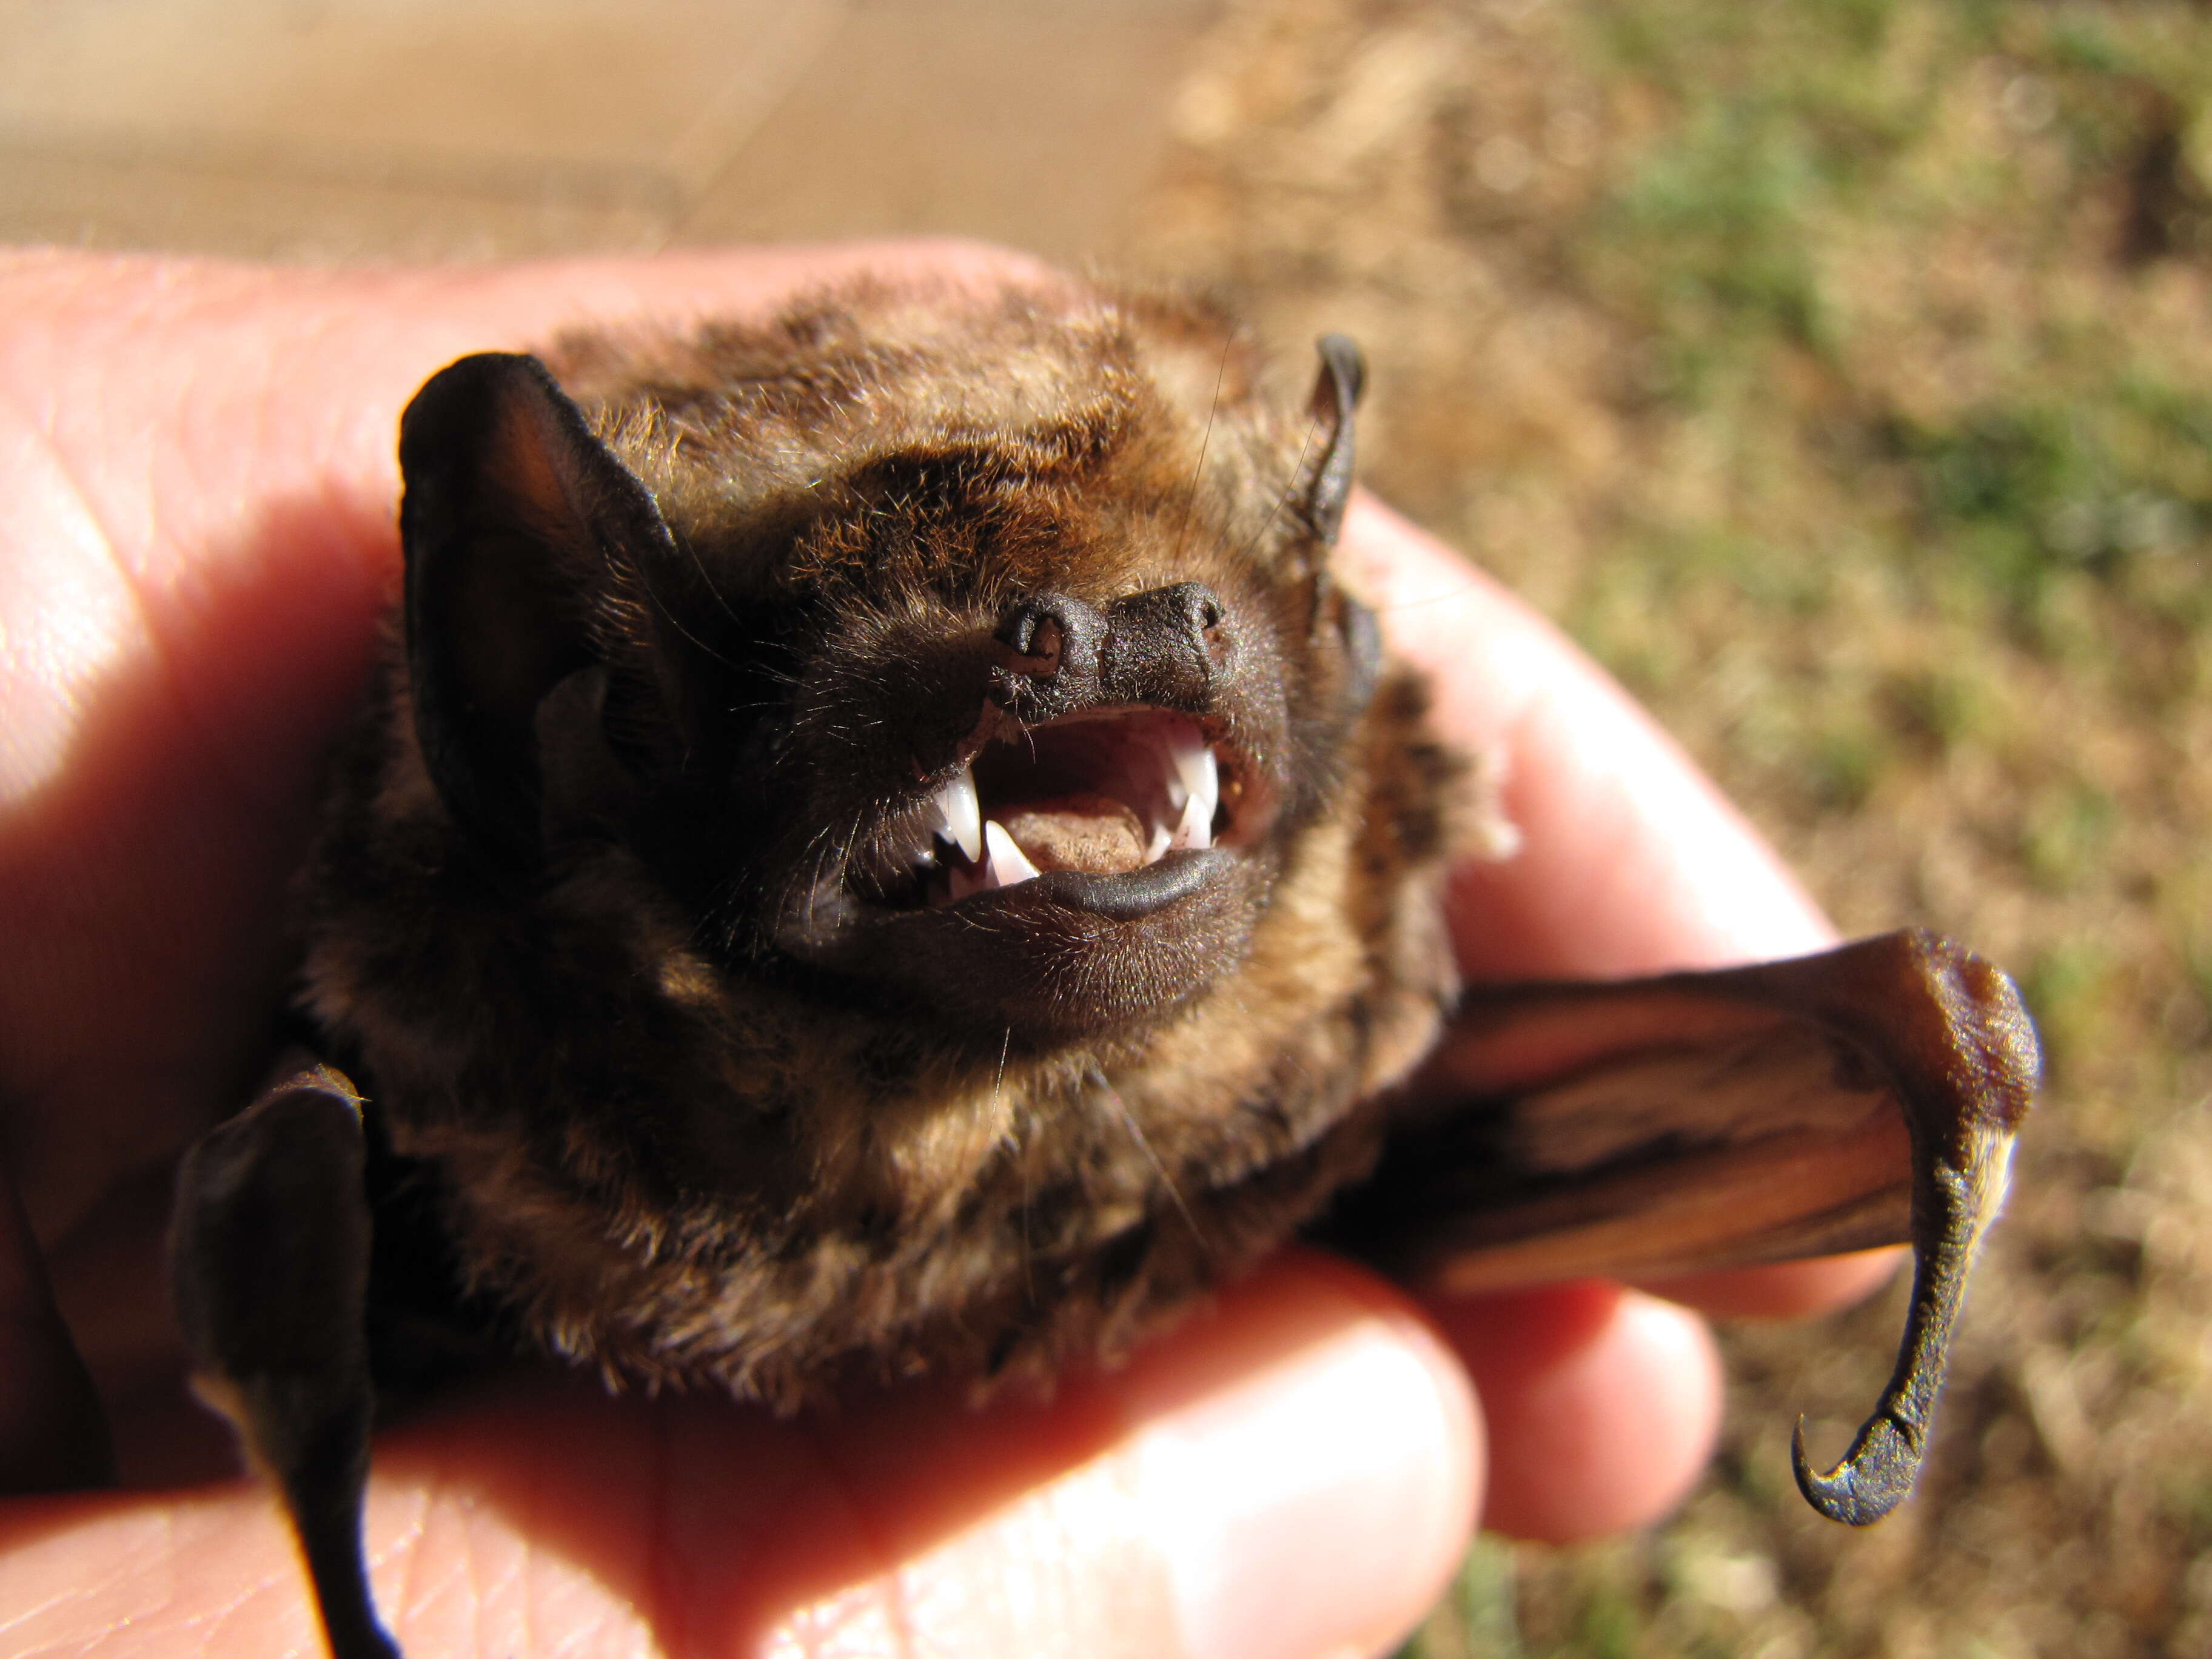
677,1155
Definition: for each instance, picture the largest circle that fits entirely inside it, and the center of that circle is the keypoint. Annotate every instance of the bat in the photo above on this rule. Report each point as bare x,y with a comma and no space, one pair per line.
880,846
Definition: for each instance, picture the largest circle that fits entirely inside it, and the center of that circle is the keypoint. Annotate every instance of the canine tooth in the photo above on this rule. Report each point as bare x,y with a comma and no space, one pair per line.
1196,829
1195,767
1167,767
960,815
1163,839
1009,864
1198,774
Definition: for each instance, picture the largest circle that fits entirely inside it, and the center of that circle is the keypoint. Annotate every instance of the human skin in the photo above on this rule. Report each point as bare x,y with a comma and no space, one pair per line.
196,542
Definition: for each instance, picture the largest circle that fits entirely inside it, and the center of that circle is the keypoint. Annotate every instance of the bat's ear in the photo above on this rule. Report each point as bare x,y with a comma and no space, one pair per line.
1327,484
513,513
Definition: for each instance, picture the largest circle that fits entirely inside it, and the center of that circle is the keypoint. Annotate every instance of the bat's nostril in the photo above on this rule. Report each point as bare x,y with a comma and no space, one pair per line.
1049,635
1197,607
1035,636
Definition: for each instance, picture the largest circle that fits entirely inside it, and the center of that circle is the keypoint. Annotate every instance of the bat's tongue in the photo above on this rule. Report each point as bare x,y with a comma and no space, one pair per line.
1091,832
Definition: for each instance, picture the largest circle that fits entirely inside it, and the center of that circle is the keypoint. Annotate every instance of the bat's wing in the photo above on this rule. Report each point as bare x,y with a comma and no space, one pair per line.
1867,1096
269,1256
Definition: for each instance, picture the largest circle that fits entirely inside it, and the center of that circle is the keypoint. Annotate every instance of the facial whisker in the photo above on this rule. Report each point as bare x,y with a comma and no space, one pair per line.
1290,487
1144,1144
1204,441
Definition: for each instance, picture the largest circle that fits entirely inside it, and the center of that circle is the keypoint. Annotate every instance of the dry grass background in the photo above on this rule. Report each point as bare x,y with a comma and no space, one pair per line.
1840,372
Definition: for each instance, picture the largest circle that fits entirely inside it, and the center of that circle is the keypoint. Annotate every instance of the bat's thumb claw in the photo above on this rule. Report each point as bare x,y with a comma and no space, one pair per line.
1874,1477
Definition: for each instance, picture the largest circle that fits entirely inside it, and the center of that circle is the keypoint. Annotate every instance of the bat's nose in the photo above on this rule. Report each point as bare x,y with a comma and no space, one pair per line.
1165,646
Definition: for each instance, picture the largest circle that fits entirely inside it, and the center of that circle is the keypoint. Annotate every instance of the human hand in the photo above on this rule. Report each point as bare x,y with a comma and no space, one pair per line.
196,487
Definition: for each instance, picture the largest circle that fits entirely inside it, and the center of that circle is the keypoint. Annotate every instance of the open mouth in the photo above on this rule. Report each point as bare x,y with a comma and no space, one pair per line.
1105,792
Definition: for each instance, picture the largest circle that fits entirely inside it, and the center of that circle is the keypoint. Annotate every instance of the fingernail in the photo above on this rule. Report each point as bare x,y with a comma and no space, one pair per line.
1315,1508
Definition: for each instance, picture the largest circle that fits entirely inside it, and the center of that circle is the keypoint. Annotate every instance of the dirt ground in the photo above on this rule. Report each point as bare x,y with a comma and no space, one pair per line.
1840,372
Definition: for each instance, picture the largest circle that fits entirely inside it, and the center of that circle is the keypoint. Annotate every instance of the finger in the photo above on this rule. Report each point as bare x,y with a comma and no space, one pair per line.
198,489
1291,1474
1630,861
1789,1290
1601,1405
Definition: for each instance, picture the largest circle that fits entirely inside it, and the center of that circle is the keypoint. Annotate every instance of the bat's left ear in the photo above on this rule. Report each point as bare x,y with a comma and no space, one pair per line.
1328,484
514,515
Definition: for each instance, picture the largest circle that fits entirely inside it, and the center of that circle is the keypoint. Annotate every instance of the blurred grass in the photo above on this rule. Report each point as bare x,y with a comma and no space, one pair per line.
1841,375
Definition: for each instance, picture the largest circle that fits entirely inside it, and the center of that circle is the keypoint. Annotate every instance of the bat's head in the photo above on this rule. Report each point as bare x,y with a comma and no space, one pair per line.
972,658
876,811
881,846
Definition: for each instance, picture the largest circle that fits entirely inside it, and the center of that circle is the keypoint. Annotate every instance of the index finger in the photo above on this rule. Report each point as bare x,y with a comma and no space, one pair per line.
1631,861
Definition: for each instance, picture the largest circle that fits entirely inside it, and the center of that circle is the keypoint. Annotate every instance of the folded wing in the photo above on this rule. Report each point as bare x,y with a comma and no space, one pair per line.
1866,1096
